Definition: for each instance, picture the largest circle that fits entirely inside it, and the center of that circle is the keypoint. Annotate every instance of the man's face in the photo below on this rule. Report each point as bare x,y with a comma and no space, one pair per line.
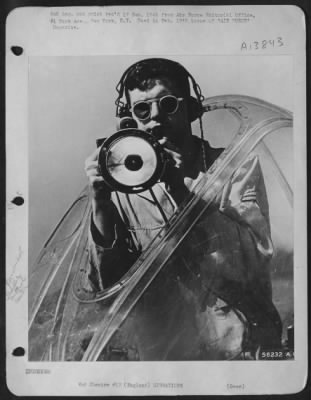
175,127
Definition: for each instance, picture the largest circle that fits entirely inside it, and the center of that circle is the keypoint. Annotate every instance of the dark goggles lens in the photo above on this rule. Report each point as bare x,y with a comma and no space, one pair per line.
142,110
168,104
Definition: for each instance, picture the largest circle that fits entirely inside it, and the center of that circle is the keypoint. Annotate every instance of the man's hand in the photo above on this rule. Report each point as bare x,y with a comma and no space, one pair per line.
174,172
100,190
102,206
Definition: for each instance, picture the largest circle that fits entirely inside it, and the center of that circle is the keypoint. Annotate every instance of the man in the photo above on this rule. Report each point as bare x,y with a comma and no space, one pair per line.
232,308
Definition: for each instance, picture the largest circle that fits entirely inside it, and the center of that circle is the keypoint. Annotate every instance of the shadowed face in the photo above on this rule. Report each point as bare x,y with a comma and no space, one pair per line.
176,127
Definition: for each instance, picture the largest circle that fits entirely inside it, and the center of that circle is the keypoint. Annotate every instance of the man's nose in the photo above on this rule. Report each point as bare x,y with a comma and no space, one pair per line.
155,112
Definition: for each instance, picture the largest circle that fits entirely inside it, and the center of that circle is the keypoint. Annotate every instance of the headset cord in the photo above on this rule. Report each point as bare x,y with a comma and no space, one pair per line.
159,206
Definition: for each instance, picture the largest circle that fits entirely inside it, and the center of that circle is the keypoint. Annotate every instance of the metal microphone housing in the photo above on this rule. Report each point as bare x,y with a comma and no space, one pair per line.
131,161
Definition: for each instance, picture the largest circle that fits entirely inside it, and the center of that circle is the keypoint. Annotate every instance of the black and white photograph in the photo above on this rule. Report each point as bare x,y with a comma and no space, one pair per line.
163,231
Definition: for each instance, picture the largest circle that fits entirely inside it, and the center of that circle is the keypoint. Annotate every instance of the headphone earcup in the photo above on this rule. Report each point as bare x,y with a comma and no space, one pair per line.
124,118
124,111
195,109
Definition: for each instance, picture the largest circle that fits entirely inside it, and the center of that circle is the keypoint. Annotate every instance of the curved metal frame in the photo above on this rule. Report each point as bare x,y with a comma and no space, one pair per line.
147,267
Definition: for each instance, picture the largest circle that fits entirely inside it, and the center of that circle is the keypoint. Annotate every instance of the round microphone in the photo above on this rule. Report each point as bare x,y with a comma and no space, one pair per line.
131,161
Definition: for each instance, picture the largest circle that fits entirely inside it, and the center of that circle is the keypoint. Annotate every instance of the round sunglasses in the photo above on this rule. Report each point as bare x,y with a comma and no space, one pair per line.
168,104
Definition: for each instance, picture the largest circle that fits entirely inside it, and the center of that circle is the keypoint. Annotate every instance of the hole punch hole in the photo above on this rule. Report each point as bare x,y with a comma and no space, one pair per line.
18,201
18,352
17,50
